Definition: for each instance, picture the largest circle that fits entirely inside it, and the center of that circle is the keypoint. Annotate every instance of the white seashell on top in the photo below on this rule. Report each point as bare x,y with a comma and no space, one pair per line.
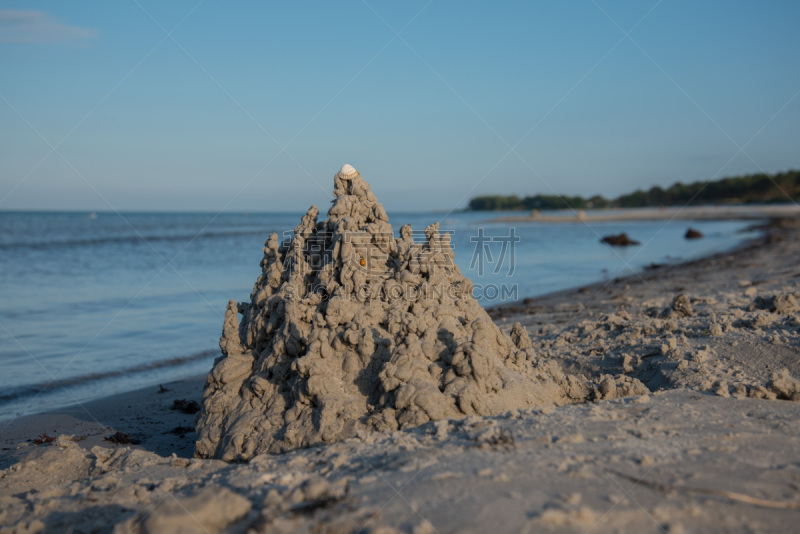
347,172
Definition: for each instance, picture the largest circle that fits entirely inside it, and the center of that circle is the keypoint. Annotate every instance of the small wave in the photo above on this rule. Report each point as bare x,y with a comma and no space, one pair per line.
130,239
30,390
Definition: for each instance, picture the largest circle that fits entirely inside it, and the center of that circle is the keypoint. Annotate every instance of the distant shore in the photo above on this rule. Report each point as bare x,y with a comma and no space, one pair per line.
700,213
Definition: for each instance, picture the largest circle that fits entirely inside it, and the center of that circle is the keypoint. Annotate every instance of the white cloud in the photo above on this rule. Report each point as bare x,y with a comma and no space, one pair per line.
39,27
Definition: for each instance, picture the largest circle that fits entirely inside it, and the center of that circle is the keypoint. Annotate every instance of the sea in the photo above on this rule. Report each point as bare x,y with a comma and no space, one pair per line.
93,304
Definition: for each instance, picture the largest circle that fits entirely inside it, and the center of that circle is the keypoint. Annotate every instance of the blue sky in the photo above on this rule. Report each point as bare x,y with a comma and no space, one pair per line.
255,105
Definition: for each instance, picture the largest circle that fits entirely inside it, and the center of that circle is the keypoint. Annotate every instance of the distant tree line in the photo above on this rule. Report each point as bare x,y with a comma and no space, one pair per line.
750,189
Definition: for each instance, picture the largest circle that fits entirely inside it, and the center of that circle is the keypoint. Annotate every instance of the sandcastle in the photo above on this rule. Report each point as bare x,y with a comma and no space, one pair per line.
349,329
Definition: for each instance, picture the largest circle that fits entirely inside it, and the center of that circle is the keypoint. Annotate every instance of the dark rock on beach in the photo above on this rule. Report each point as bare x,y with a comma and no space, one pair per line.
620,240
691,233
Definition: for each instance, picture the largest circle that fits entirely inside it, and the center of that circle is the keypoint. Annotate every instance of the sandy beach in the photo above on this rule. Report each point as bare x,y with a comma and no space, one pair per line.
712,445
399,267
686,213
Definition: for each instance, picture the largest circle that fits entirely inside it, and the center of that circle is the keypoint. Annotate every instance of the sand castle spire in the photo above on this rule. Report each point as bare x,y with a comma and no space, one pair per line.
349,328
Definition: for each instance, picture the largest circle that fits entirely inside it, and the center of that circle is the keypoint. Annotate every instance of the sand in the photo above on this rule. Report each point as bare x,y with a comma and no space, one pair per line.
350,329
742,212
727,324
712,447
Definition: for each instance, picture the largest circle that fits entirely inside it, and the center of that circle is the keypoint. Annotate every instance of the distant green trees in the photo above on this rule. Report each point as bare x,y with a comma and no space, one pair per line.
495,203
750,189
537,202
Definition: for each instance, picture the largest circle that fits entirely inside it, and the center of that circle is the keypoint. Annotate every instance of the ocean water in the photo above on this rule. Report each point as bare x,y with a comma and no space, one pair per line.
97,304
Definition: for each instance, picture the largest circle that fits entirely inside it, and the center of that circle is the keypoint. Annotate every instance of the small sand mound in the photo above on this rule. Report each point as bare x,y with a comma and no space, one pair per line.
349,328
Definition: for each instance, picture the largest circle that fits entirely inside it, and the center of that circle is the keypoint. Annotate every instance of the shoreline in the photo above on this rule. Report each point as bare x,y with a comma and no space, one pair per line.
74,407
699,213
709,337
154,402
765,227
143,384
145,414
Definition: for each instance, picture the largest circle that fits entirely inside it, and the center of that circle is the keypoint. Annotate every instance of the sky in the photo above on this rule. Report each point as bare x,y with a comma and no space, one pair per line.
205,105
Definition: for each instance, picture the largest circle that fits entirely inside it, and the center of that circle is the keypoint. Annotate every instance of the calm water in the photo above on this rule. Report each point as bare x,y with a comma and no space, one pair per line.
96,305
